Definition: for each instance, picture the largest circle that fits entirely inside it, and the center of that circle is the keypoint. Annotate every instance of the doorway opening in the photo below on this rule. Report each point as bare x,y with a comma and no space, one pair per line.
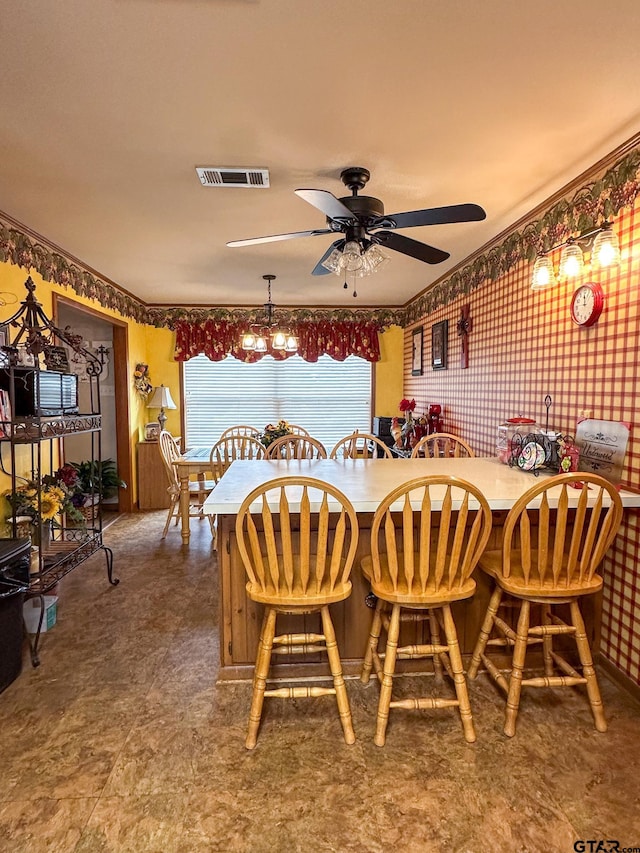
107,337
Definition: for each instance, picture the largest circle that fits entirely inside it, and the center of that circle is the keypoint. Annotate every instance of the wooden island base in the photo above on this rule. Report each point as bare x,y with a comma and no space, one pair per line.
365,483
241,620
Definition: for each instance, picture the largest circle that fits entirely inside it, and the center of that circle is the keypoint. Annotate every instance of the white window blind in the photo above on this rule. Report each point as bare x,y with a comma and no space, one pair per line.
329,398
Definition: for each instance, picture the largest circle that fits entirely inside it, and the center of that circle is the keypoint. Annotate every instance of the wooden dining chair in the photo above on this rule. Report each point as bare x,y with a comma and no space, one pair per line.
298,430
441,445
550,554
360,445
198,489
232,447
427,536
296,447
240,429
297,564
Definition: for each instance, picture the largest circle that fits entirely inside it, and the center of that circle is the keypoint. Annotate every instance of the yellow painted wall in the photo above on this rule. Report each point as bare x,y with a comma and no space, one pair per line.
163,370
389,373
12,279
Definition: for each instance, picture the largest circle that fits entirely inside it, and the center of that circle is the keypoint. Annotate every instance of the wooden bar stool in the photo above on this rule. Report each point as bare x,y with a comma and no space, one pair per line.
297,562
426,538
553,567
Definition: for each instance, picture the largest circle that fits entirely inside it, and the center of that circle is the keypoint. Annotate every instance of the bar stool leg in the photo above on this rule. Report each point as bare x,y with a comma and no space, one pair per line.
459,680
387,678
515,680
435,641
263,660
372,643
547,643
338,679
485,632
584,651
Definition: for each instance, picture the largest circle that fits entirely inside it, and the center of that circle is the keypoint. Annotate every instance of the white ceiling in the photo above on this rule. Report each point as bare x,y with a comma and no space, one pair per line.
107,107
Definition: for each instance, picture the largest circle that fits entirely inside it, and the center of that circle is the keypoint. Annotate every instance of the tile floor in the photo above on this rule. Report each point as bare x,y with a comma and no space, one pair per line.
121,741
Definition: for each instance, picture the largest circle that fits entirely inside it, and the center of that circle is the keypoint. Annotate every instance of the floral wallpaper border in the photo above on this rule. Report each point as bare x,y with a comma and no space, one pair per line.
603,198
21,249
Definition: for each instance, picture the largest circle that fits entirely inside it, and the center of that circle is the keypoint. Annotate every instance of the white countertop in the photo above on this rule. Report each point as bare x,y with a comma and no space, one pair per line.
366,481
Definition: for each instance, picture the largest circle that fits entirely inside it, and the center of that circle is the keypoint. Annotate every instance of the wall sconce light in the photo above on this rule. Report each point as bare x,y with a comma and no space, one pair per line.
604,248
543,273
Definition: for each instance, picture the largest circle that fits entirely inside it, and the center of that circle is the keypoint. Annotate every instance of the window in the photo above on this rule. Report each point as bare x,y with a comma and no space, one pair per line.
329,398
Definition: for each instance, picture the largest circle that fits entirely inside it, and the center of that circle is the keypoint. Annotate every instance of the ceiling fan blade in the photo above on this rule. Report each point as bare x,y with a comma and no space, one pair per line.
327,203
419,251
319,269
437,215
252,241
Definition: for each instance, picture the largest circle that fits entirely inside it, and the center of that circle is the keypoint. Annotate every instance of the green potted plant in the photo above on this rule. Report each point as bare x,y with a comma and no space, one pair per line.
99,478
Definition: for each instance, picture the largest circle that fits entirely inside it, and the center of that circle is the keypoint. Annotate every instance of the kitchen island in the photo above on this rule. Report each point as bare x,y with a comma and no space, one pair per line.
365,482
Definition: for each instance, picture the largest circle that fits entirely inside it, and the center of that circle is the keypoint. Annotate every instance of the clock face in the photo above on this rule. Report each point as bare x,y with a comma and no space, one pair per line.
586,305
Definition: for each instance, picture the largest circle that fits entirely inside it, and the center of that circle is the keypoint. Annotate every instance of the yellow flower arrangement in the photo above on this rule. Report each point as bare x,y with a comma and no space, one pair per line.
52,498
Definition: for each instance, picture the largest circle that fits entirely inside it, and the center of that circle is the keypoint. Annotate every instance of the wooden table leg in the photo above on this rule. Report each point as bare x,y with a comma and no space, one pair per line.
184,507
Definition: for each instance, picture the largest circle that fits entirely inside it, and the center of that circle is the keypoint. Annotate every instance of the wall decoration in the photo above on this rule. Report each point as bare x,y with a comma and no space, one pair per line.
142,381
439,341
56,358
464,326
416,353
602,445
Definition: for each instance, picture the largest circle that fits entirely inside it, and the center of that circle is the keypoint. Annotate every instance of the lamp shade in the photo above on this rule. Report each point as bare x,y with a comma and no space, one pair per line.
543,274
571,260
605,251
161,399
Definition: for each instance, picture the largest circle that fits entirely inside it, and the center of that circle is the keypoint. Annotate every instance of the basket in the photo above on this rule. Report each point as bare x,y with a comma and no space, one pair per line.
89,513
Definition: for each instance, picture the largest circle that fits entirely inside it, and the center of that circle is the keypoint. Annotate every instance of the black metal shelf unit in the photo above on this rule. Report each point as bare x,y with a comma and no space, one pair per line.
39,407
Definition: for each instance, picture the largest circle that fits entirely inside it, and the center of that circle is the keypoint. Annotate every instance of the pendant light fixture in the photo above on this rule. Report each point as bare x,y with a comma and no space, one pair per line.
261,337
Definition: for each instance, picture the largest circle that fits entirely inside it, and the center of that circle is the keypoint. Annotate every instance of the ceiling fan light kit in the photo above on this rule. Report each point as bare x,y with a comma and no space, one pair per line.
366,227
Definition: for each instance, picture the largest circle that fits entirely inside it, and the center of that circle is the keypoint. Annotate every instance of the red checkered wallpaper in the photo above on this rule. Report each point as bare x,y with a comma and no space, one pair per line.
523,345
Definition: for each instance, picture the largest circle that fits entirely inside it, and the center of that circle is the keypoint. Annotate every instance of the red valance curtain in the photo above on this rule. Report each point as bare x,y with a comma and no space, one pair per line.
218,338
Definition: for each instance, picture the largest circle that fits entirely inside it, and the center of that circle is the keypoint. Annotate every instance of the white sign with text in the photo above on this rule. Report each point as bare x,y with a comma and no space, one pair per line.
602,445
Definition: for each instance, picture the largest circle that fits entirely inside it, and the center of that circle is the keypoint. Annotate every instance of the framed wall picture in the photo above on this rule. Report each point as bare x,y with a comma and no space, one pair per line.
439,341
416,352
152,431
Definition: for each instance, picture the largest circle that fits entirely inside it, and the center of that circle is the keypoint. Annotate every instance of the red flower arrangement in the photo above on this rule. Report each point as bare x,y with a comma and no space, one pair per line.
407,405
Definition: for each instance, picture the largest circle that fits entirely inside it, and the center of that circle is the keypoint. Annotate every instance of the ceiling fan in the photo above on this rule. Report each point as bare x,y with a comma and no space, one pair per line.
365,226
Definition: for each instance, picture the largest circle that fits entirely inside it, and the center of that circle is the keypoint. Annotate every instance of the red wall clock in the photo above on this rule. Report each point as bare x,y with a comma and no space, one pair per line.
587,304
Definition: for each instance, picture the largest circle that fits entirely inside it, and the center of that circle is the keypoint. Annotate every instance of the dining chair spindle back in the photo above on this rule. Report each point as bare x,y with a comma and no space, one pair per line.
442,445
296,447
360,445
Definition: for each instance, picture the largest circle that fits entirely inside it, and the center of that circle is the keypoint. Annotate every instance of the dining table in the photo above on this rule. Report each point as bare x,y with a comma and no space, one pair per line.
365,482
196,461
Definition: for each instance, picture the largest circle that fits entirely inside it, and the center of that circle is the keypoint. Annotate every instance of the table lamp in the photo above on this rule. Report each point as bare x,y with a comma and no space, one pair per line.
161,399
